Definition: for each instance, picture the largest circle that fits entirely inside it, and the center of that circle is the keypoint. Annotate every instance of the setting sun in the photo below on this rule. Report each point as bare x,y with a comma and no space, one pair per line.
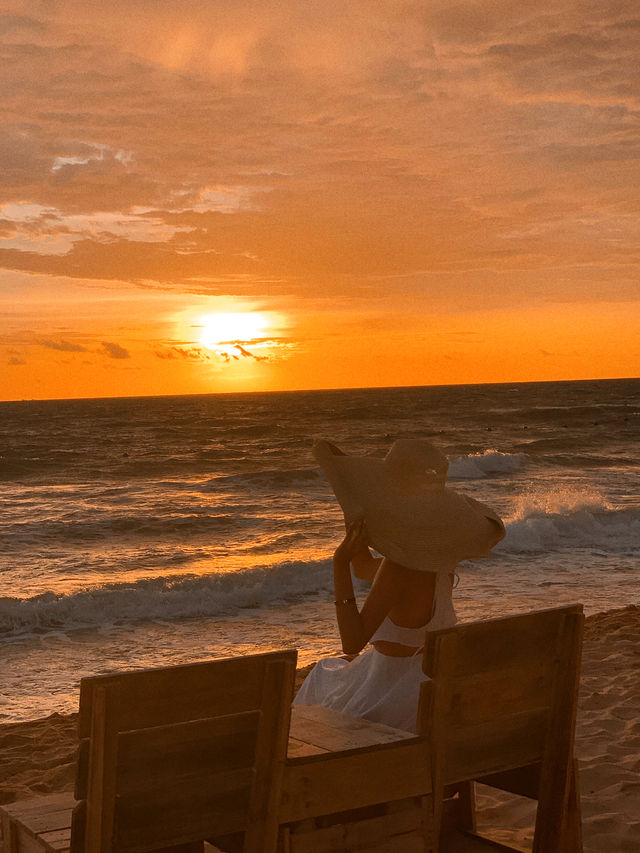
221,330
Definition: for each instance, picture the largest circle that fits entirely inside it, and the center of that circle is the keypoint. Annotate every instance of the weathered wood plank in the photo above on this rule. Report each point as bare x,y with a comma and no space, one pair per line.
38,805
29,844
494,745
47,821
82,770
39,824
300,749
174,694
477,697
140,822
58,840
357,834
332,782
507,640
332,731
261,834
557,763
470,843
185,755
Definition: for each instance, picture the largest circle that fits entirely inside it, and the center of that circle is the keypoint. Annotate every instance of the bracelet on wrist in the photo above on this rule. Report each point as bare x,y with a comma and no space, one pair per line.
342,601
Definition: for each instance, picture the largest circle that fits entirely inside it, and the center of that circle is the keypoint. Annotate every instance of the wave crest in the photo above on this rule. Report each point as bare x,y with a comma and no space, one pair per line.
569,518
478,465
178,597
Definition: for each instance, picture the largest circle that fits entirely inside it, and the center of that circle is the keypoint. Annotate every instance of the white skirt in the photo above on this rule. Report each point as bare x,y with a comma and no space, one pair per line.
379,687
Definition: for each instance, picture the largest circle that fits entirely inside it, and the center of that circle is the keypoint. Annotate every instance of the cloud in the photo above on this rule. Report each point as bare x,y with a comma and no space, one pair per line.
246,354
186,353
114,350
356,155
62,346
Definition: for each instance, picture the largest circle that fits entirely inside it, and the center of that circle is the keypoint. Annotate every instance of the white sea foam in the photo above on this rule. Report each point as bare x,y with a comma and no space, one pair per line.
182,597
478,465
569,518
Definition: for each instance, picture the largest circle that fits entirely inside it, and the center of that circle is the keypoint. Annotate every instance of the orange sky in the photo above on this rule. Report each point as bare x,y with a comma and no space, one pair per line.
399,193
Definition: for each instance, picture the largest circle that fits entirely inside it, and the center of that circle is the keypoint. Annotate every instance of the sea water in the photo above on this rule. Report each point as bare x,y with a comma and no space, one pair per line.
153,531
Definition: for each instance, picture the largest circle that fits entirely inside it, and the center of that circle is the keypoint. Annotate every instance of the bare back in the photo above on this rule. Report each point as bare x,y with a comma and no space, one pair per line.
413,604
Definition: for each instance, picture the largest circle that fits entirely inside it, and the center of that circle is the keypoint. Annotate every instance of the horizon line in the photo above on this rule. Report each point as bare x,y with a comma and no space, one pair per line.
319,390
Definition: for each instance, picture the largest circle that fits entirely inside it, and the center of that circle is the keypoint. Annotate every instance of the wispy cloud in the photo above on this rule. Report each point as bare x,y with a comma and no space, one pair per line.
62,346
114,350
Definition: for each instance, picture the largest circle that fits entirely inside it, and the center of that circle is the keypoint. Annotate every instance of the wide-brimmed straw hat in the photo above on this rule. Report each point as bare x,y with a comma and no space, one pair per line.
412,517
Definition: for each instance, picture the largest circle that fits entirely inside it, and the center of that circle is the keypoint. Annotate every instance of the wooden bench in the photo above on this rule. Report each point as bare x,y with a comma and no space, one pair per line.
499,708
326,751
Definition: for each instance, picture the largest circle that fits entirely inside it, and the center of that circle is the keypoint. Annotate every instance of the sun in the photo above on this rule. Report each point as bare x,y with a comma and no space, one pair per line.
219,331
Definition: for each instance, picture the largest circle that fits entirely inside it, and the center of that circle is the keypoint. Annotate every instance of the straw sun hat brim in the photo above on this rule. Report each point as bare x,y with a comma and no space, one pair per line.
412,518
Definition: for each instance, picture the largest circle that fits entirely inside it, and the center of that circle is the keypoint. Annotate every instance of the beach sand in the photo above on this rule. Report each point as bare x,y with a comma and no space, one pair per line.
39,757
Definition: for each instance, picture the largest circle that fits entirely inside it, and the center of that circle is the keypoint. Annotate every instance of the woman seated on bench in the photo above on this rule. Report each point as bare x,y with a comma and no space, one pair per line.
402,508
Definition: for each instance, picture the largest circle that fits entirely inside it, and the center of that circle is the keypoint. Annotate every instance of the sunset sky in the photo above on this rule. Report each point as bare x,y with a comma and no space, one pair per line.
205,195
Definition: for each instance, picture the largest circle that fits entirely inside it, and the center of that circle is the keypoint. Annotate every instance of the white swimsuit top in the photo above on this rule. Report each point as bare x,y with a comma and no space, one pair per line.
442,616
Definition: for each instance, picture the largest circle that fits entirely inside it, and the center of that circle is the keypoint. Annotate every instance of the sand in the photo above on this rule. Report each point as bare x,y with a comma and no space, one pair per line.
39,757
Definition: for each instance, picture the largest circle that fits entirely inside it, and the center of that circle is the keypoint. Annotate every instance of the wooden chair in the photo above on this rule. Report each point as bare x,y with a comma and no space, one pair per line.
169,757
500,709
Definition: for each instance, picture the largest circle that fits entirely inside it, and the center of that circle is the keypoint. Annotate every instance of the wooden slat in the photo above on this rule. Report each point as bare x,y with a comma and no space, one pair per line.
78,826
509,691
331,782
28,844
325,729
82,770
470,843
58,840
173,820
38,824
8,834
45,821
357,834
261,834
489,747
38,805
185,755
173,694
501,642
98,827
557,761
299,749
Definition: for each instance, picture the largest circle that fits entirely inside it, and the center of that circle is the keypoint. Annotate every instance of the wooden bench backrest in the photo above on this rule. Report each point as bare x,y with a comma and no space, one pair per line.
502,697
179,754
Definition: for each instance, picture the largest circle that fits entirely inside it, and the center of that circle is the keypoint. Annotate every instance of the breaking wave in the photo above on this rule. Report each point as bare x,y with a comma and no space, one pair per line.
570,519
478,465
178,597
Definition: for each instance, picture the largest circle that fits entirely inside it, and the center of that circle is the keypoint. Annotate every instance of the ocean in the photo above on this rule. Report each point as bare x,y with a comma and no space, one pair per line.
154,531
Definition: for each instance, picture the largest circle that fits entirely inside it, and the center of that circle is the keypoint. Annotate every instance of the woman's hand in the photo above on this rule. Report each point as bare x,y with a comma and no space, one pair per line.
356,540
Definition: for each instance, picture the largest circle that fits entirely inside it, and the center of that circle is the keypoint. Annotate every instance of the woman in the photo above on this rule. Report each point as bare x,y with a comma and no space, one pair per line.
400,506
